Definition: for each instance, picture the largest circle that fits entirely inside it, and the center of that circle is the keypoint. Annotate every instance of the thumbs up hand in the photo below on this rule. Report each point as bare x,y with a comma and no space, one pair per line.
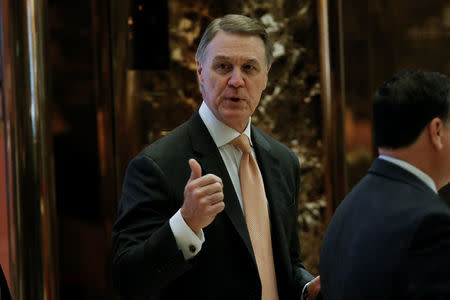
203,198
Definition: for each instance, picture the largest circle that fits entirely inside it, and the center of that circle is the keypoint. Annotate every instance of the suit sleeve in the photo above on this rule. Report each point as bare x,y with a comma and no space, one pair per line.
428,262
145,254
301,275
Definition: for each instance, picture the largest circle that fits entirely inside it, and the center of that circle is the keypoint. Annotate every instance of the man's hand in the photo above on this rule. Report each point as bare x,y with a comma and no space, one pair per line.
313,288
203,198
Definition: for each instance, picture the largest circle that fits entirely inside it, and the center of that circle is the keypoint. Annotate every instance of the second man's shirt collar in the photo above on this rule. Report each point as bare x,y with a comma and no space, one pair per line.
403,164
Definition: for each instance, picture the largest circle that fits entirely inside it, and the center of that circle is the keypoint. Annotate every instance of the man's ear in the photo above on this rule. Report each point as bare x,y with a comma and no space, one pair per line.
436,133
267,76
199,71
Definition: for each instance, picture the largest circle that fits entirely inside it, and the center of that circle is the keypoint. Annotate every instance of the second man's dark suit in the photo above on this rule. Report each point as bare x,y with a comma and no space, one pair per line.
388,239
146,258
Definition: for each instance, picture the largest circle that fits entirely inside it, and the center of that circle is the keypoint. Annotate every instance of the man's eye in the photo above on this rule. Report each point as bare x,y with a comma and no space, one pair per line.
222,67
248,68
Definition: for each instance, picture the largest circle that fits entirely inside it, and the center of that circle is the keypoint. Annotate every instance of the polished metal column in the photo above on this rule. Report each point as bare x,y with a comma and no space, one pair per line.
333,100
29,151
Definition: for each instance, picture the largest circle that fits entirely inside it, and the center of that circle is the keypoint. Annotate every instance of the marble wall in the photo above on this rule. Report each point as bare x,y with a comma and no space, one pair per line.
290,108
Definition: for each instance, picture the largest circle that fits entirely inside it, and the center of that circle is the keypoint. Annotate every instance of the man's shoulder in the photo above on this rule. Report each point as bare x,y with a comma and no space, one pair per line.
170,144
407,200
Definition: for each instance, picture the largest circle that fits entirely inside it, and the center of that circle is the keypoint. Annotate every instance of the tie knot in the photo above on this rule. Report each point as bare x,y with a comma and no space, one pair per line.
243,143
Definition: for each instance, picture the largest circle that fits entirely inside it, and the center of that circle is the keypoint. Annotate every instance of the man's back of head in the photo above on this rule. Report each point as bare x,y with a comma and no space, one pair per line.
406,103
410,122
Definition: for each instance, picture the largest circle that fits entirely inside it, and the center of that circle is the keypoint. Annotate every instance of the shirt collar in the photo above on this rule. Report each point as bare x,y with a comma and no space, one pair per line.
403,164
221,133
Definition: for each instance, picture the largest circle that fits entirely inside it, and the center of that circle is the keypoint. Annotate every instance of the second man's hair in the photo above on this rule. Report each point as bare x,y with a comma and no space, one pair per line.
406,103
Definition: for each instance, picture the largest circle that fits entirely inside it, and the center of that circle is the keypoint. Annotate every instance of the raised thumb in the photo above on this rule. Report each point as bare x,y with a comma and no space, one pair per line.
196,169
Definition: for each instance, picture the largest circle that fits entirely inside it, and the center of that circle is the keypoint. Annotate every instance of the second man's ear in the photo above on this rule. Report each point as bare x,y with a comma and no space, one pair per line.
436,133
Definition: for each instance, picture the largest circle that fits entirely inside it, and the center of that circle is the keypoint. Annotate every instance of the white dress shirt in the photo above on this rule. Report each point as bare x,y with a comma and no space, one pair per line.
187,241
410,168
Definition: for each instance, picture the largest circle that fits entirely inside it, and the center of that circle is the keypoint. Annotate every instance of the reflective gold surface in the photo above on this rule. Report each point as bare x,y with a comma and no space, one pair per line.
29,150
381,38
333,100
4,234
82,116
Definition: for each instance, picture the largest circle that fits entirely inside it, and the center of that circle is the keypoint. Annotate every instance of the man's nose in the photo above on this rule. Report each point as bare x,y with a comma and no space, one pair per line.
236,78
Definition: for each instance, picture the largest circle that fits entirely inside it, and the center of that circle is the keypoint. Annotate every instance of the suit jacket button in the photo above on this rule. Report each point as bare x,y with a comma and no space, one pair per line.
192,248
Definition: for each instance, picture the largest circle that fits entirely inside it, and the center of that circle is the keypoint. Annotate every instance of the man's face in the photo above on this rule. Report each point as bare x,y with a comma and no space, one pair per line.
233,76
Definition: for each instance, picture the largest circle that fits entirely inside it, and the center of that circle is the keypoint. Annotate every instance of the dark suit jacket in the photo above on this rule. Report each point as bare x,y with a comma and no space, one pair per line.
4,290
388,239
147,262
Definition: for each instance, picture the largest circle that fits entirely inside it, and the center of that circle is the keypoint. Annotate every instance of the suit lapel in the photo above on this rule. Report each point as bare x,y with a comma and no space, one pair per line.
211,161
272,176
269,166
280,215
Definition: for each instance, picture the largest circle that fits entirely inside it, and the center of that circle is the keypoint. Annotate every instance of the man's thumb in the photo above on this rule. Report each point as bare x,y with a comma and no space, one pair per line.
195,168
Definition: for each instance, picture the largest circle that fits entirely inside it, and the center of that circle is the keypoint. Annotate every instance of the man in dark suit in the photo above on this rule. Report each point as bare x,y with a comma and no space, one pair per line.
181,231
390,237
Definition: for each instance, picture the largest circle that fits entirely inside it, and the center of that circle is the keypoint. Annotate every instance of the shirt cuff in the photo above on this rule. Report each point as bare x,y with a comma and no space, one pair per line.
303,291
187,241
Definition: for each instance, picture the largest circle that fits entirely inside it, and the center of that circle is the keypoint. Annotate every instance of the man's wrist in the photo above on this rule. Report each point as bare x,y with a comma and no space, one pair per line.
305,292
195,229
187,240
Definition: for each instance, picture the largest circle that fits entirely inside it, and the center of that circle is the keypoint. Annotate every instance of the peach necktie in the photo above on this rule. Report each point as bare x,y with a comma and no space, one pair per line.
257,217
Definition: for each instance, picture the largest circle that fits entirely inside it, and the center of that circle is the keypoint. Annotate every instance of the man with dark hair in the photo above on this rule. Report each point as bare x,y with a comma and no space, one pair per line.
210,210
390,237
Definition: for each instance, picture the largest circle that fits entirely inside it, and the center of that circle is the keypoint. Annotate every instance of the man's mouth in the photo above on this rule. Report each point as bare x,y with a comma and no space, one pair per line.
235,99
